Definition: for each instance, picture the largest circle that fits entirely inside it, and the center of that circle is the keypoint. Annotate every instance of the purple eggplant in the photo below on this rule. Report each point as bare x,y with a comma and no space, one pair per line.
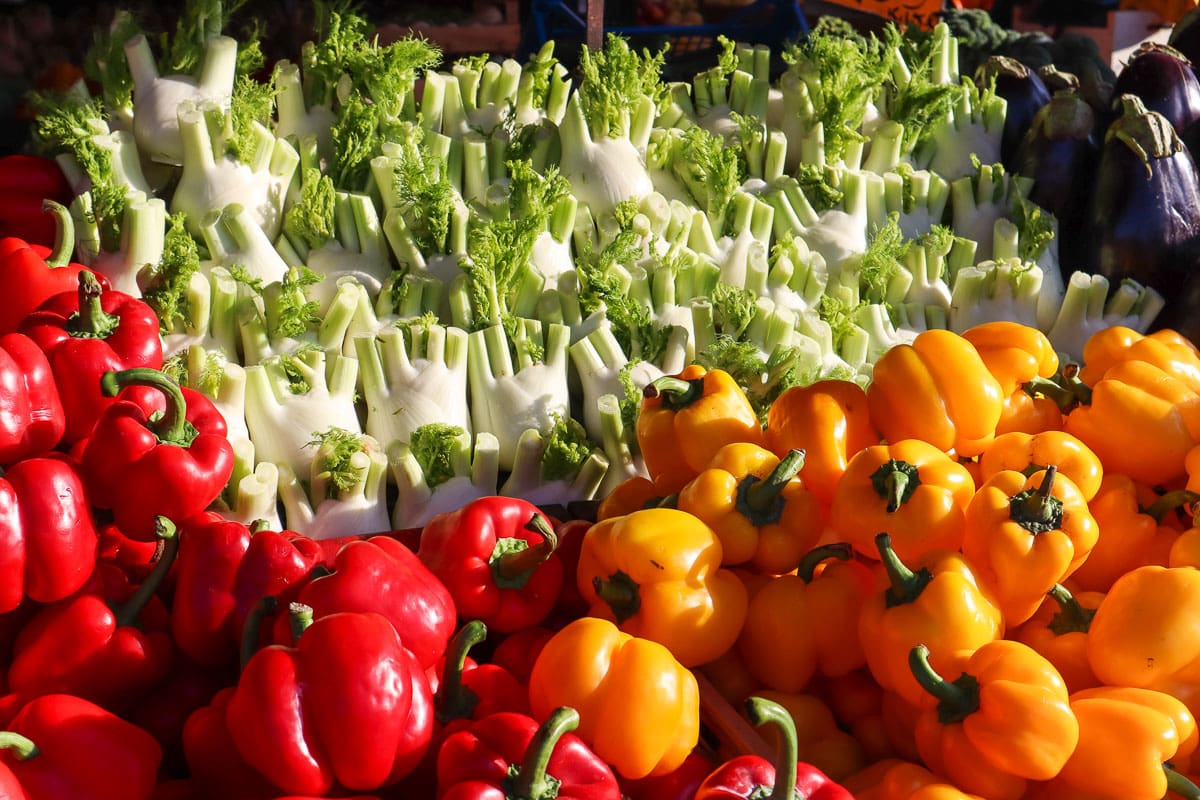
1164,80
1144,216
1024,93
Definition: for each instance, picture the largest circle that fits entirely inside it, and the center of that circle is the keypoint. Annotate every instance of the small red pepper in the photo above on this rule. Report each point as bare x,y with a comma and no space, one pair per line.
496,556
31,412
62,747
750,777
506,756
86,333
160,450
48,541
26,183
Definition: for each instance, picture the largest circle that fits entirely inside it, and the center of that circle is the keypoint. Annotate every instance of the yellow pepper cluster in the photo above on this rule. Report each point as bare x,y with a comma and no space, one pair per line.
978,577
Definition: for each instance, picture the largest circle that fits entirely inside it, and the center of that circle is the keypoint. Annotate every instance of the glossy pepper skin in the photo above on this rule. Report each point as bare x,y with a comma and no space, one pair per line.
1165,348
213,761
639,708
686,418
1135,530
31,412
1027,452
86,333
828,420
1004,719
83,752
1025,534
48,537
905,780
748,777
496,556
159,450
508,755
1059,631
348,705
937,389
757,504
1018,356
910,489
657,574
936,601
26,183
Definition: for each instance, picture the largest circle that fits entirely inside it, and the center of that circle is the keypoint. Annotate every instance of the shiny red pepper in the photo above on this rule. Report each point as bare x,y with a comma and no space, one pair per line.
348,705
31,412
86,333
48,541
62,747
469,690
213,760
160,450
496,556
506,756
679,784
83,646
751,777
26,183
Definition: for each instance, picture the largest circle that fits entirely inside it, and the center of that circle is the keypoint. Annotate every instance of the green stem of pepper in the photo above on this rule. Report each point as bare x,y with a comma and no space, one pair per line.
129,611
761,501
21,747
514,560
905,585
454,700
64,234
531,781
761,711
91,321
173,426
676,393
808,565
957,699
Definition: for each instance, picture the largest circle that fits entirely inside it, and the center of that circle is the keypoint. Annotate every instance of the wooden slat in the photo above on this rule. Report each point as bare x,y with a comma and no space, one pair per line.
595,24
734,733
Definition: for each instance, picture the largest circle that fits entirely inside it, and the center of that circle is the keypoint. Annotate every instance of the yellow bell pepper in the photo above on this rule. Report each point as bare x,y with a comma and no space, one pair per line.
656,573
1059,631
1165,349
1025,452
639,708
1019,356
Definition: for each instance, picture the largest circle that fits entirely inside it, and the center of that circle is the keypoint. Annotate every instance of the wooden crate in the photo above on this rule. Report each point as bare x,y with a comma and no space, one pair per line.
499,39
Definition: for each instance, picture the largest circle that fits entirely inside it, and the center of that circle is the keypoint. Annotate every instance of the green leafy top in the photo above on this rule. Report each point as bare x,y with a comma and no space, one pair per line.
761,380
610,80
733,308
166,288
252,102
709,168
883,259
423,185
105,64
919,103
295,311
433,447
311,219
567,447
336,450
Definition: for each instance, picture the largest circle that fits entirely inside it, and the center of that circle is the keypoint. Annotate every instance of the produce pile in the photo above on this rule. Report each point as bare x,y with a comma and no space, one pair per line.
387,427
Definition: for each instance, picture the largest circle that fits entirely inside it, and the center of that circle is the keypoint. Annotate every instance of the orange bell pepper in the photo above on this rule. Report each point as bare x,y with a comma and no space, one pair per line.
904,780
819,740
937,602
657,574
1004,719
1017,356
910,489
632,494
1025,452
1059,631
830,422
1025,534
1141,421
757,505
937,389
686,418
1128,741
639,708
796,624
1165,348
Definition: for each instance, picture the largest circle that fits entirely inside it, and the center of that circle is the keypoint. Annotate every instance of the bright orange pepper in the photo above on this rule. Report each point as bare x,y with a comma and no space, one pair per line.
911,489
796,624
1133,533
830,422
1001,720
819,739
631,494
639,708
937,601
1018,355
937,389
686,418
904,780
757,504
1025,452
1165,349
900,724
657,574
1059,630
1025,534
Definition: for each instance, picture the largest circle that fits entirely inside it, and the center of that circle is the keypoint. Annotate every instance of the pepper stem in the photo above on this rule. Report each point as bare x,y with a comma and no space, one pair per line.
531,781
1071,617
761,500
21,747
1170,501
895,481
676,393
808,565
1037,510
251,629
1177,783
91,321
906,585
173,426
129,611
957,699
453,700
514,560
64,234
300,616
621,594
761,711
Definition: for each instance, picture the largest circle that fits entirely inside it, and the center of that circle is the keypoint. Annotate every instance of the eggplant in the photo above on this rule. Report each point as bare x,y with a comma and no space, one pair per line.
1060,153
1024,93
1143,221
1164,80
1185,35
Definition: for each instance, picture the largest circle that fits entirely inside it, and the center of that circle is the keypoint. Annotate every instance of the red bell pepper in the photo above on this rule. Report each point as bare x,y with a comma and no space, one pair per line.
680,783
518,651
470,690
163,710
213,760
62,747
749,776
506,756
160,450
380,574
496,556
570,603
31,412
26,183
83,646
86,333
224,568
48,541
348,705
